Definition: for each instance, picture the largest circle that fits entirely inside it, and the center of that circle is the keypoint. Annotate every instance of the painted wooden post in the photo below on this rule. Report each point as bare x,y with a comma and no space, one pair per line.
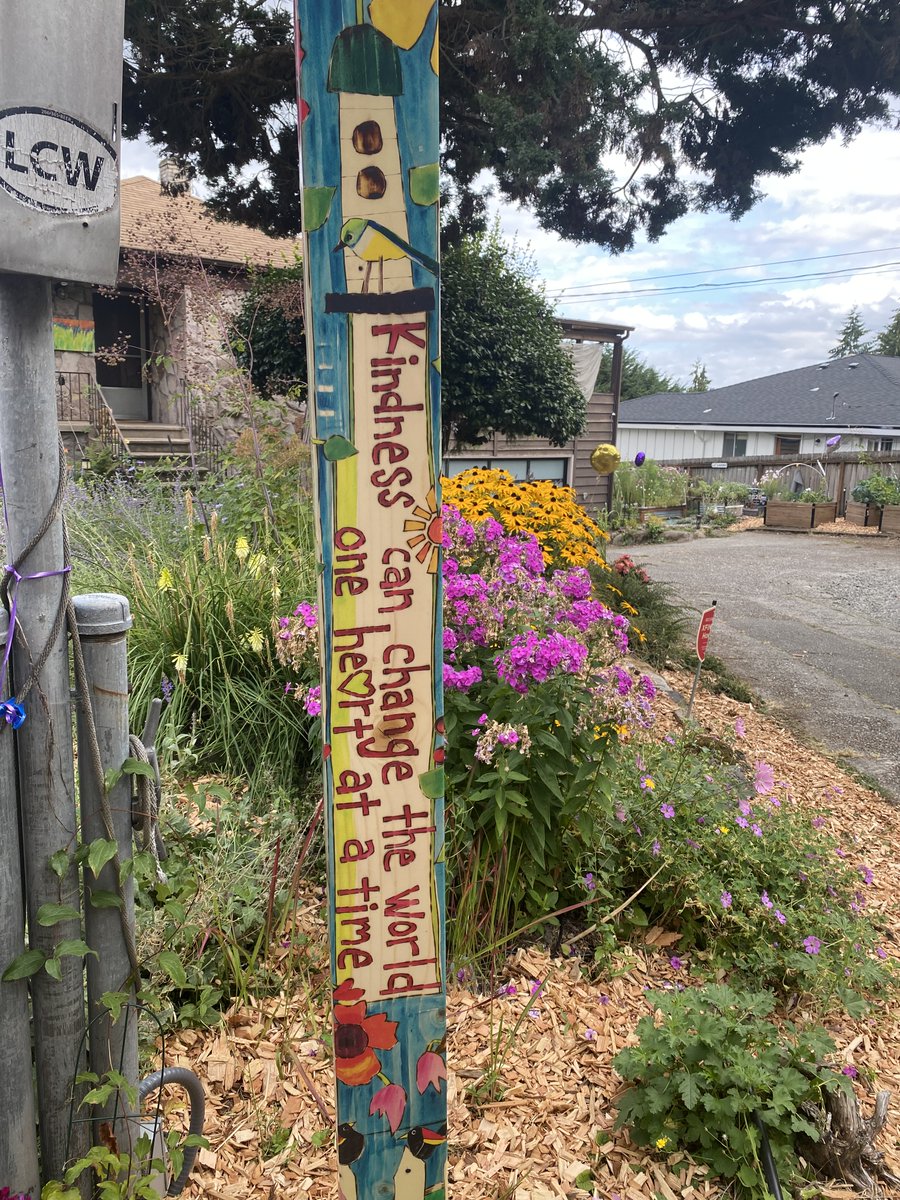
369,130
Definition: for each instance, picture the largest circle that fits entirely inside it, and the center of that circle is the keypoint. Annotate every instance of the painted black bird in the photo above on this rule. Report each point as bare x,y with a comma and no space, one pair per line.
350,1145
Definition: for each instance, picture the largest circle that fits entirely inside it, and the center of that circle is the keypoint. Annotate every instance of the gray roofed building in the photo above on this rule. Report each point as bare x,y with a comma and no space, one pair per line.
792,412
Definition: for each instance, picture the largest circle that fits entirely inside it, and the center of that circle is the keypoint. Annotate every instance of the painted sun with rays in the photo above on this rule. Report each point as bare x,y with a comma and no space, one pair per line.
427,531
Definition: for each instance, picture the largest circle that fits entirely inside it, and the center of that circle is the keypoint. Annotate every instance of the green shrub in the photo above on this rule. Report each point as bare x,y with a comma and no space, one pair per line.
877,489
659,623
749,878
714,1061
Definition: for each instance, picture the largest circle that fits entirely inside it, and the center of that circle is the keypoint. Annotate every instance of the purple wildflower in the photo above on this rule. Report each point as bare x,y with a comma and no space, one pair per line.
850,1070
725,899
676,963
812,945
780,917
765,901
655,848
667,811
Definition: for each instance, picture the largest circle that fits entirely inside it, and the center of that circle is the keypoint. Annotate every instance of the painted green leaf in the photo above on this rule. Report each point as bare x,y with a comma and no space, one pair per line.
337,447
425,184
52,914
316,206
431,783
23,966
437,365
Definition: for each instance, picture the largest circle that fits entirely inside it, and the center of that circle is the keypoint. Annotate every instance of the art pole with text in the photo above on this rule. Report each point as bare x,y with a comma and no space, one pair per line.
368,96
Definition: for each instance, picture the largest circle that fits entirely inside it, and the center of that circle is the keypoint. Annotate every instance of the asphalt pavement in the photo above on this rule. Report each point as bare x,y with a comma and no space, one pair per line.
812,624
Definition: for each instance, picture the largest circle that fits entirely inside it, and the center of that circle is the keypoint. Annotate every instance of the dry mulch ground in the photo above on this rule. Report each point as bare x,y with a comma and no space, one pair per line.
266,1069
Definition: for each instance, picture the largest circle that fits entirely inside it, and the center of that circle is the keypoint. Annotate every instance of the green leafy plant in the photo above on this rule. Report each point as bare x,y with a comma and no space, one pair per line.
877,489
702,1073
750,879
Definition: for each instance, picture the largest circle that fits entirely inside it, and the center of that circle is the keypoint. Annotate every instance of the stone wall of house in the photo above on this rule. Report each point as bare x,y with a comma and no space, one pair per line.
214,378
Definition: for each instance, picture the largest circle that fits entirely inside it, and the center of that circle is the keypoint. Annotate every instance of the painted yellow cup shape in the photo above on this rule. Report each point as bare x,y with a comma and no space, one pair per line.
403,21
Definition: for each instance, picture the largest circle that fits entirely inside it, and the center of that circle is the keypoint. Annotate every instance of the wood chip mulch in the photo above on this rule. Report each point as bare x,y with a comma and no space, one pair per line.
269,1078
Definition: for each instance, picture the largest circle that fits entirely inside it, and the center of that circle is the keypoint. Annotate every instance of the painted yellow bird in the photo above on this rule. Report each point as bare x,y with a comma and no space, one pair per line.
375,243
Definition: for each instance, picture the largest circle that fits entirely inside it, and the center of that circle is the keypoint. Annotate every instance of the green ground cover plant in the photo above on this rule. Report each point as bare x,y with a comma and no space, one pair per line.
713,1065
750,879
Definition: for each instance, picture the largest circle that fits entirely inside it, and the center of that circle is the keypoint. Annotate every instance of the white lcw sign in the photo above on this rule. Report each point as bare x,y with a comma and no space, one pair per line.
60,121
55,163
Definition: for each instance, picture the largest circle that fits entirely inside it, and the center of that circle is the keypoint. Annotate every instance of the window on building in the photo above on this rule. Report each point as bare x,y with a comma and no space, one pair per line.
734,445
788,445
554,469
883,445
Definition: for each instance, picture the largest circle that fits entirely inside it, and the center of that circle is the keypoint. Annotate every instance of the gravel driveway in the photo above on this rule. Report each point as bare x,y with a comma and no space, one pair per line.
812,624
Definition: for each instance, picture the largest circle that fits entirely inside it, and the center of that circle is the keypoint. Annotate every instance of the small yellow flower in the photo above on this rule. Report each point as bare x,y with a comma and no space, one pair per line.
241,549
180,663
648,783
661,1143
255,640
723,829
165,583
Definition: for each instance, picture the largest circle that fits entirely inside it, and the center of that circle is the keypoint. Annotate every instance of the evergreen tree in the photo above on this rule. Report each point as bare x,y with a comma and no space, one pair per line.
699,378
549,96
639,378
888,341
852,337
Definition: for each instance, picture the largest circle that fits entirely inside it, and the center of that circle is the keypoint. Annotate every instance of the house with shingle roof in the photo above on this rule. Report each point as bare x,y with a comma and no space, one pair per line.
143,365
790,413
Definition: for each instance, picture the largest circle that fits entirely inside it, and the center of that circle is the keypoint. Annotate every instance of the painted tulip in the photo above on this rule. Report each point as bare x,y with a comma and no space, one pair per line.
430,1069
390,1102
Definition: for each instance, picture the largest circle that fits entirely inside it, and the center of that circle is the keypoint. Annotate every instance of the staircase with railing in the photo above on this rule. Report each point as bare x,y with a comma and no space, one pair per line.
189,442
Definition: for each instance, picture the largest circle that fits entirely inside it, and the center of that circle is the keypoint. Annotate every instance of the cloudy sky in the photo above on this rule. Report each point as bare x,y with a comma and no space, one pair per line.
836,222
837,218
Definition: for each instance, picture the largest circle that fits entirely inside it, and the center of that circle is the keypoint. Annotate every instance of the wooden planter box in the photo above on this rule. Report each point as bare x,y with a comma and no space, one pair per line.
863,514
890,518
790,514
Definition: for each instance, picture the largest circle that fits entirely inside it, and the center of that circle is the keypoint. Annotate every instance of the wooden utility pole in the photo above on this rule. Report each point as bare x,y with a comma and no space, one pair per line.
60,103
369,128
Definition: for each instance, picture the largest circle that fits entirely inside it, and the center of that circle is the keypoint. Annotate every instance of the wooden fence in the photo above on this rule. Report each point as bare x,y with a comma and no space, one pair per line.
842,472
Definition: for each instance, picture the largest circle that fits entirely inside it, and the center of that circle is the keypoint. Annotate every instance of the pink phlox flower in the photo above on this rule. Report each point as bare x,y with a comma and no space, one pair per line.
390,1102
313,702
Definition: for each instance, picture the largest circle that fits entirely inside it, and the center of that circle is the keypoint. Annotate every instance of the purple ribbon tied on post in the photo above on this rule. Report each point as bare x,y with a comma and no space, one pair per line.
11,710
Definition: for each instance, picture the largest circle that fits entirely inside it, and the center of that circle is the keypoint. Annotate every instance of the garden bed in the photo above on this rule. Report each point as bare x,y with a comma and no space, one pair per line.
793,514
266,1069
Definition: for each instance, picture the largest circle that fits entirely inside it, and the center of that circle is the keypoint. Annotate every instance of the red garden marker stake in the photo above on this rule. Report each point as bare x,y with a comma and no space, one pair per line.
703,633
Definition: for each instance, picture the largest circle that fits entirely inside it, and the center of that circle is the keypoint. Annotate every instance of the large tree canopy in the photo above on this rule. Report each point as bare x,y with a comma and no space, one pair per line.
606,117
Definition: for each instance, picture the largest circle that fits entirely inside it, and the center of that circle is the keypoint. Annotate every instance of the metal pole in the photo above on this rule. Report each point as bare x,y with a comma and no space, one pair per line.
18,1134
29,461
103,621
